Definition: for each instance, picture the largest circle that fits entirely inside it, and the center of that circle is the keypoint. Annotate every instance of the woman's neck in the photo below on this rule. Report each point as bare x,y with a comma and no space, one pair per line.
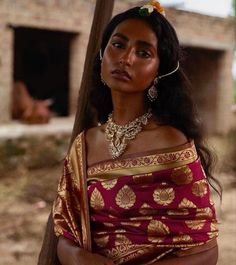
127,107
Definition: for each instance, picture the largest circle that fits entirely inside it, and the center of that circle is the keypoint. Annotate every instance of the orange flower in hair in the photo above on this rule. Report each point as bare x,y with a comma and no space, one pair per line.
146,10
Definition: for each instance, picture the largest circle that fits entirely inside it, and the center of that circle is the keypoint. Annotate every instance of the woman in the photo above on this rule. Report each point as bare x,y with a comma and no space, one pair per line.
135,189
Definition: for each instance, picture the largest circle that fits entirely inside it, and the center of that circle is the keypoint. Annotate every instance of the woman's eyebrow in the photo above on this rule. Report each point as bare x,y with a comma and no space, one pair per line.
117,34
145,43
140,42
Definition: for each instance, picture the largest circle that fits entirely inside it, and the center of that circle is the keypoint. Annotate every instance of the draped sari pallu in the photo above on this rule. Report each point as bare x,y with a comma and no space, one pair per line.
137,209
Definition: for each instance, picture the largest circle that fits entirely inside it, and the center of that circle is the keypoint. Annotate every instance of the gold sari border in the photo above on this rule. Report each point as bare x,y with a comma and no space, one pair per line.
79,162
175,157
197,249
183,252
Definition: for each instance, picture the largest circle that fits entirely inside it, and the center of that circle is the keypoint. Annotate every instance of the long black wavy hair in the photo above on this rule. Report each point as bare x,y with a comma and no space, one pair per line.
174,106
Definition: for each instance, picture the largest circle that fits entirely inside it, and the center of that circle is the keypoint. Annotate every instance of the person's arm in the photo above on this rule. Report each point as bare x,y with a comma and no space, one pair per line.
208,257
70,254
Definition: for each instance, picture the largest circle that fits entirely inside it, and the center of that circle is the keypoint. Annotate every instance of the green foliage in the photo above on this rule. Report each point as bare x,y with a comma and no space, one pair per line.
10,149
32,153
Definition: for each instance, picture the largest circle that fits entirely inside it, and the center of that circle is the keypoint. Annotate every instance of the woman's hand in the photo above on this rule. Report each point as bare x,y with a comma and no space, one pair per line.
70,254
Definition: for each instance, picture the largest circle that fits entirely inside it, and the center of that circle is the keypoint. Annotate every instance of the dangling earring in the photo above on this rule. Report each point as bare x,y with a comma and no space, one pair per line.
103,82
152,91
100,57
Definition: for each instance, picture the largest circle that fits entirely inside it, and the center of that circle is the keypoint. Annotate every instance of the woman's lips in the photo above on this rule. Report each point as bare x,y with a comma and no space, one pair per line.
121,75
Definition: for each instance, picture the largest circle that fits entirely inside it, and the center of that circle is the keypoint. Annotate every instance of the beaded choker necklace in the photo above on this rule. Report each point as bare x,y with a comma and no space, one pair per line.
119,135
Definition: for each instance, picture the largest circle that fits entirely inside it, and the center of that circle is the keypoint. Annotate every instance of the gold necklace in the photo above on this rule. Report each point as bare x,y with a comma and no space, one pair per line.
119,135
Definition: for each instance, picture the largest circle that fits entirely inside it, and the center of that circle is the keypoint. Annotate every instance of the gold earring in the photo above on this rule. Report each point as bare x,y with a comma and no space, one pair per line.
100,54
152,91
102,80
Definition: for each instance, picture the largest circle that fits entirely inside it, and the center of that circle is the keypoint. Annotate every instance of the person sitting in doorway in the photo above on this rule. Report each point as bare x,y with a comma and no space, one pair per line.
27,109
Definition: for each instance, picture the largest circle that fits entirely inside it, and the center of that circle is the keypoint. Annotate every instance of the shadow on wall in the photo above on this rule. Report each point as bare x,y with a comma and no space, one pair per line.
203,69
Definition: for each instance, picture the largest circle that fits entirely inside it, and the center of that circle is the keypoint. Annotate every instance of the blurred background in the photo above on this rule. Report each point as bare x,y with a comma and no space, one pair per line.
42,51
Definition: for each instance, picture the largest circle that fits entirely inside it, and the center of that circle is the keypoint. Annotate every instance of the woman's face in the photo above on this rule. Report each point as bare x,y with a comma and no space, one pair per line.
130,60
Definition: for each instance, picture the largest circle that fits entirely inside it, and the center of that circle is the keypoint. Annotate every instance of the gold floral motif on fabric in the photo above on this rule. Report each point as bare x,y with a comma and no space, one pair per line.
61,190
58,230
134,255
102,233
68,168
120,231
146,209
185,203
109,184
195,224
101,241
125,198
124,253
204,212
180,212
182,239
199,188
156,231
134,224
108,224
111,216
211,201
164,196
156,239
214,230
140,218
182,175
122,240
97,201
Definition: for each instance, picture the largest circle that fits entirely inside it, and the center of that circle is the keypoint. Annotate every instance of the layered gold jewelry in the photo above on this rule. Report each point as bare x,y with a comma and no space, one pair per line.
119,135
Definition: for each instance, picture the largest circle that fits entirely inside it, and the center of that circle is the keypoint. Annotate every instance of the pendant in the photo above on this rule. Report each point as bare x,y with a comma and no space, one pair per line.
119,135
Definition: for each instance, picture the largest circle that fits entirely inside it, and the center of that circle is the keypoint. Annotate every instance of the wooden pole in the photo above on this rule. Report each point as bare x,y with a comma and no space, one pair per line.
102,15
103,12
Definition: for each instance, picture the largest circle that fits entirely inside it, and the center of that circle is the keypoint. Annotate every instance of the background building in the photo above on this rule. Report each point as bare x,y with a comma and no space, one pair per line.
43,43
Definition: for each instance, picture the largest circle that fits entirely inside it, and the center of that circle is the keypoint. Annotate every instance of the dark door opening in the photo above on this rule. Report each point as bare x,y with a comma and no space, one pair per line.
41,61
202,68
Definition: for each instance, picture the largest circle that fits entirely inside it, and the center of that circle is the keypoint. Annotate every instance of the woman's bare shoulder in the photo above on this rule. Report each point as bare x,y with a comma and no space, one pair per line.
170,136
96,144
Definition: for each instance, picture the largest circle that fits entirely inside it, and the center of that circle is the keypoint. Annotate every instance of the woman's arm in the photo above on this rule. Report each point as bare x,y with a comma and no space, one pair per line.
208,257
70,254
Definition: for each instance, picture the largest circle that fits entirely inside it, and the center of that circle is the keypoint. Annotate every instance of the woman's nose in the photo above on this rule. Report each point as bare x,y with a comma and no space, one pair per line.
127,58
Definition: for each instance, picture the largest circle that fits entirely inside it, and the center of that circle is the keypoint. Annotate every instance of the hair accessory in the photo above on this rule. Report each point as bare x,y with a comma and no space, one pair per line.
146,10
176,69
152,91
100,57
119,135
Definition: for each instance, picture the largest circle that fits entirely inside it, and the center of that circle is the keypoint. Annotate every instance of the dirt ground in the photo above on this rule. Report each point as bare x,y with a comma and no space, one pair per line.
25,199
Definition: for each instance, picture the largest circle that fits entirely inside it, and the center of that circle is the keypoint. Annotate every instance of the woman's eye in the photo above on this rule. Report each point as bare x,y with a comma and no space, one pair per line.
144,54
117,44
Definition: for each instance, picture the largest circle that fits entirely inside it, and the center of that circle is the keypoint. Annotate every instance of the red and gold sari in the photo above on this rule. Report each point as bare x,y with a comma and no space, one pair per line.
137,209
